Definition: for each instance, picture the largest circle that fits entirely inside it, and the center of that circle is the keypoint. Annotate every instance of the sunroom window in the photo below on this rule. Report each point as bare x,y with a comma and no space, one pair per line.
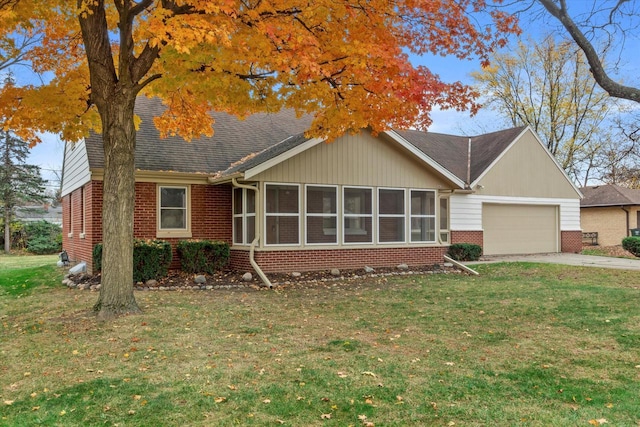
282,214
444,219
357,215
423,216
391,215
321,214
244,216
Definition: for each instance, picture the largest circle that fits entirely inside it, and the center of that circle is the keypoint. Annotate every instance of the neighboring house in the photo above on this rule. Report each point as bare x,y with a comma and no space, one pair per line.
398,197
46,212
611,211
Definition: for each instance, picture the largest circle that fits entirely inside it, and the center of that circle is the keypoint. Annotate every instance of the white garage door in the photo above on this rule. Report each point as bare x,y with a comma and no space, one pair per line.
519,229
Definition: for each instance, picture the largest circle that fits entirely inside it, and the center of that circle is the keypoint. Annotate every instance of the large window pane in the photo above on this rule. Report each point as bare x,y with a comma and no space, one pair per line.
391,229
282,215
357,217
282,230
322,215
391,202
173,208
282,199
423,219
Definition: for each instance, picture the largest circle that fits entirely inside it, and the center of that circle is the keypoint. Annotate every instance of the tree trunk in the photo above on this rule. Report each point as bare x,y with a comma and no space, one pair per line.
119,140
7,229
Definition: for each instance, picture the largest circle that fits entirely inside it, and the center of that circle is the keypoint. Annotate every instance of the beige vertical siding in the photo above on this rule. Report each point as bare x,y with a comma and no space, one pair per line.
356,160
526,170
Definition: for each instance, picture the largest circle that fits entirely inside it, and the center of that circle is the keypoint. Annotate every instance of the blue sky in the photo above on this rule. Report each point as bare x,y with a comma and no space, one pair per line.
49,154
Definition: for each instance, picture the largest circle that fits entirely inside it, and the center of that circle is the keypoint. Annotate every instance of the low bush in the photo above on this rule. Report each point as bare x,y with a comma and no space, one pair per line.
465,251
203,256
151,259
632,244
43,237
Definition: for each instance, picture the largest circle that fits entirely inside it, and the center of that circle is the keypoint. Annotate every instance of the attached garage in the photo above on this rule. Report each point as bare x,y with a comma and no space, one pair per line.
520,229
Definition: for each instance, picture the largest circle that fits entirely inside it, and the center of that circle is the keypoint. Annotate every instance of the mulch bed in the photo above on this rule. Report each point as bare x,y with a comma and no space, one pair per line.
178,280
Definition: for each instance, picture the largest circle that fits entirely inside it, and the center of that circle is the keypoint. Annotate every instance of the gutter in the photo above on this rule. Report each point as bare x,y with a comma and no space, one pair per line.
254,264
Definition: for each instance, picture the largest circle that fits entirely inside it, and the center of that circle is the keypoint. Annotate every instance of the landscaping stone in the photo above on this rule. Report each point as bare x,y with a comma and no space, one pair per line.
403,267
151,282
335,272
200,279
247,277
448,264
368,269
296,274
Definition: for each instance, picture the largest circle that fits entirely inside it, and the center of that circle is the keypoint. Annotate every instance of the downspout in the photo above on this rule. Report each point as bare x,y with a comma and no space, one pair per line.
627,212
252,248
469,164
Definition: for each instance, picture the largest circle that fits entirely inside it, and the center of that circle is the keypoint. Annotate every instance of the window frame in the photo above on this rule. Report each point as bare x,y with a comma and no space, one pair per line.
173,232
335,215
83,214
447,230
244,215
403,215
266,214
344,215
427,216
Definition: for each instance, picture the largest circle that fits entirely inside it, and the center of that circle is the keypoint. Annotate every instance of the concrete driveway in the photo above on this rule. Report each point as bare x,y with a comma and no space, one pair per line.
567,259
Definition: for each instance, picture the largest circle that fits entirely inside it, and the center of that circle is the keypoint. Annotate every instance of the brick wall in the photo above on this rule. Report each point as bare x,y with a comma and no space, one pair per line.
571,241
323,259
475,237
210,217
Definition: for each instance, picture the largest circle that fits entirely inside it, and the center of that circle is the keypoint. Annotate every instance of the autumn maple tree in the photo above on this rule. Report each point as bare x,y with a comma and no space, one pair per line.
344,61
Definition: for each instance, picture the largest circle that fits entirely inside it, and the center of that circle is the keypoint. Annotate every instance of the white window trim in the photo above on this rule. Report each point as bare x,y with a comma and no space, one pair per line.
266,214
448,229
403,216
434,216
244,215
323,215
371,215
83,200
174,232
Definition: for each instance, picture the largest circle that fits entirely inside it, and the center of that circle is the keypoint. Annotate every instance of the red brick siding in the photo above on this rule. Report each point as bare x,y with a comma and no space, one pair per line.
475,237
322,259
210,217
571,241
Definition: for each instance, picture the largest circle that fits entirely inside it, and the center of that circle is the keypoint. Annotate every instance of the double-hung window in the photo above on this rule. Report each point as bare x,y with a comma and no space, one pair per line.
244,216
282,214
173,211
423,216
391,215
321,214
357,215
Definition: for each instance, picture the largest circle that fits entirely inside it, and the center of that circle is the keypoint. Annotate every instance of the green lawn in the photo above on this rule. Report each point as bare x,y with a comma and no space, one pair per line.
522,344
20,274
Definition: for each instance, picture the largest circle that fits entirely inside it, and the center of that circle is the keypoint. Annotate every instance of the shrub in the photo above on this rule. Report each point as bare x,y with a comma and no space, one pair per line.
465,251
632,244
203,256
151,259
43,237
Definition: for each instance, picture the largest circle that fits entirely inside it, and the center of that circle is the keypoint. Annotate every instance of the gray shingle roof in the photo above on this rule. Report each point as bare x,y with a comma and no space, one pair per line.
238,145
609,195
452,152
233,140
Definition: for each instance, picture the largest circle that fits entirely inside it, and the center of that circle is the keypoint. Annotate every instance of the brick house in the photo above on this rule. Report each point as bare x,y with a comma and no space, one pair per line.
302,204
611,211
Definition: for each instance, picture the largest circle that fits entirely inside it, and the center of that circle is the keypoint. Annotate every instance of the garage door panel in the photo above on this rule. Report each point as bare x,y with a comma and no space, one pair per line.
519,229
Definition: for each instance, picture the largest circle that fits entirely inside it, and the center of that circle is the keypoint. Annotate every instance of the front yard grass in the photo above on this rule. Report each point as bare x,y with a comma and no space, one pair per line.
522,344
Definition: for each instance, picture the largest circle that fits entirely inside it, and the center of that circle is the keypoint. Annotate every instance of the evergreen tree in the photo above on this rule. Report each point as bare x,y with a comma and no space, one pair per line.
19,182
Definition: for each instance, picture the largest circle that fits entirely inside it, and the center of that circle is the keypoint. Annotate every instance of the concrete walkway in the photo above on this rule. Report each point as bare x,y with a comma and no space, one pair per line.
567,259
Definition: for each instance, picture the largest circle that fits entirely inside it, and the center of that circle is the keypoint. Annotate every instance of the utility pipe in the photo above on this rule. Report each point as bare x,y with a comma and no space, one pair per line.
252,248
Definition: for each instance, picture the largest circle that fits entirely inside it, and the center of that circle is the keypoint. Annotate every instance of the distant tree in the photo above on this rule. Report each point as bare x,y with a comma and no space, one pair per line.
547,86
598,28
19,182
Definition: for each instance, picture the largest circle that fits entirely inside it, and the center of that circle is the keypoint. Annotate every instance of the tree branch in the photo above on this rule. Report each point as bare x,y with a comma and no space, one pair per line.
612,87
